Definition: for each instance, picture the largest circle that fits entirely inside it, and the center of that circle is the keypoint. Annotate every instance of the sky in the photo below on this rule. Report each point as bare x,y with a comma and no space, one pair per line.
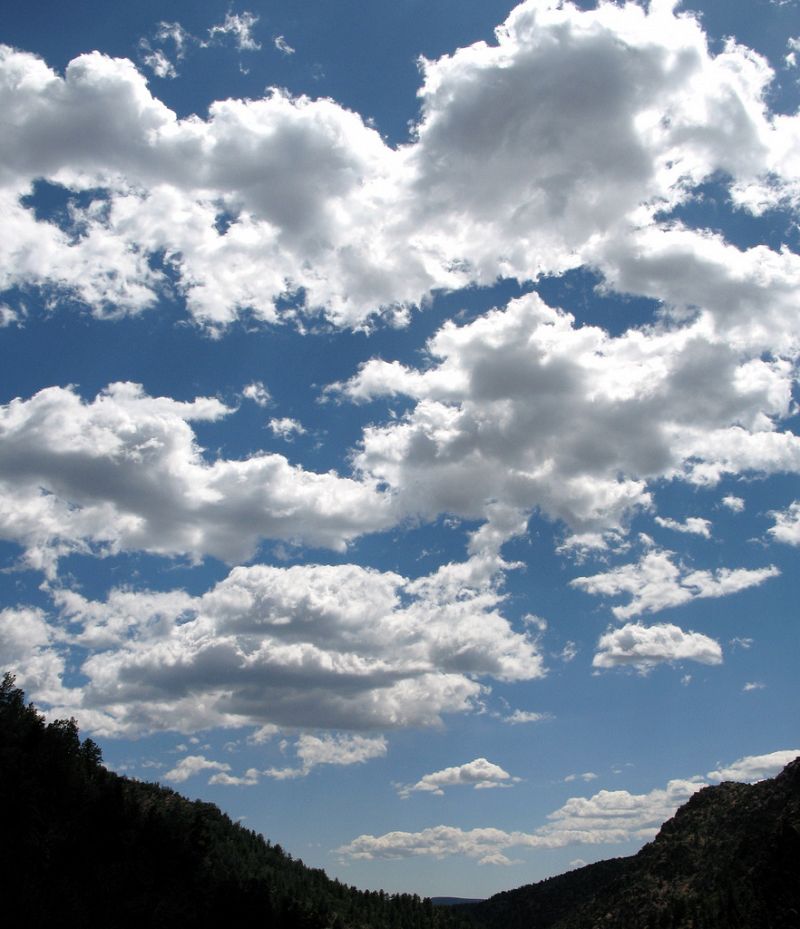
398,413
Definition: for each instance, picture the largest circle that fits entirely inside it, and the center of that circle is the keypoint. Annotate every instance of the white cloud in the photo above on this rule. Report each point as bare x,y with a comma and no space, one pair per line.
28,650
286,428
311,646
755,767
193,764
519,717
643,647
240,26
248,779
733,503
753,685
479,774
629,112
586,776
787,525
342,750
282,45
607,817
159,64
124,471
258,393
8,317
655,583
694,525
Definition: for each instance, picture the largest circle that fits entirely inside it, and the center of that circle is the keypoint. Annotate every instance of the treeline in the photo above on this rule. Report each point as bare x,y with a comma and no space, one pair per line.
83,846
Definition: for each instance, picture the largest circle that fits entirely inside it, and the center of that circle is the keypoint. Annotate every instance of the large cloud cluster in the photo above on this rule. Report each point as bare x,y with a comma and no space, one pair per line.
538,152
310,647
124,471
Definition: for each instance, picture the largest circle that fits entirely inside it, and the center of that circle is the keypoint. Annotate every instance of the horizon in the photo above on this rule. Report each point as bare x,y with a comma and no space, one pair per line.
399,414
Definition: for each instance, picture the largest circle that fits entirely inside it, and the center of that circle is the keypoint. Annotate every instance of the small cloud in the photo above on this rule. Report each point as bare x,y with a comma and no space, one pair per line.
692,525
734,504
479,774
577,863
249,779
193,764
8,317
258,393
739,642
531,619
524,716
240,26
286,428
586,776
793,44
686,680
282,45
159,64
568,652
331,750
753,685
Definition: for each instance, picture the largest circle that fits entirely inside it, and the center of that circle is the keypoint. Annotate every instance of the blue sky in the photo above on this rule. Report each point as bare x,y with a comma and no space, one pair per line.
398,414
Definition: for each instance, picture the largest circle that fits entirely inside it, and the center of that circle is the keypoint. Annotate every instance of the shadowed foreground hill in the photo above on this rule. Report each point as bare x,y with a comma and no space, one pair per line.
82,846
728,859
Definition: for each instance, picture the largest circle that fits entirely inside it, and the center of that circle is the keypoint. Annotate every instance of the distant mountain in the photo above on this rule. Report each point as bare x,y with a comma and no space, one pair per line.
728,859
454,901
82,846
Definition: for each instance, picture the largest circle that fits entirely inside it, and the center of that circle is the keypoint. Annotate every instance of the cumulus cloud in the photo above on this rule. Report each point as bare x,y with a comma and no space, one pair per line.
787,525
28,649
586,776
330,750
733,503
693,525
755,767
656,582
191,765
124,471
555,145
286,428
308,646
607,817
643,647
479,774
258,393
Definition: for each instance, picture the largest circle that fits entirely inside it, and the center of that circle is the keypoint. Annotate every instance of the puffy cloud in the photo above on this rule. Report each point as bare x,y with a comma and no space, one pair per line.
193,764
332,750
124,471
733,503
258,393
479,774
525,407
655,583
755,767
550,147
643,647
694,525
787,525
28,650
286,427
586,776
248,779
311,646
607,817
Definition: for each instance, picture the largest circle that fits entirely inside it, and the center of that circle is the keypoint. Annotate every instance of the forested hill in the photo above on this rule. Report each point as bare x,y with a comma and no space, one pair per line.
82,846
728,859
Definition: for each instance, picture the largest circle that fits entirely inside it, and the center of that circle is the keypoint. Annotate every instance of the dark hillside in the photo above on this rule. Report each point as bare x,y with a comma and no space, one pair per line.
82,846
728,859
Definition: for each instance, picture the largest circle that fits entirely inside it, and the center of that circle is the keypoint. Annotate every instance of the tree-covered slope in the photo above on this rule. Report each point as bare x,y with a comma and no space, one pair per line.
728,859
83,846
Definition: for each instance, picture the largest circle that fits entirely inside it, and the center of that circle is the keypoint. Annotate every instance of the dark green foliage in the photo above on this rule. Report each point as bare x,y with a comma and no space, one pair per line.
728,859
82,846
